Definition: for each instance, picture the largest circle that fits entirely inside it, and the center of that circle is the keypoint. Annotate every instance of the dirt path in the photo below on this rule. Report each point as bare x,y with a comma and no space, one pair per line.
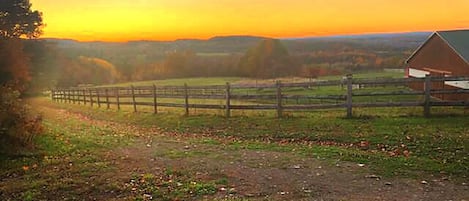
239,173
261,175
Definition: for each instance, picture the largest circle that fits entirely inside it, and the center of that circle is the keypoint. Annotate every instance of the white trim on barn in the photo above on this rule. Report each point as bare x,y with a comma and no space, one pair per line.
458,84
417,73
421,73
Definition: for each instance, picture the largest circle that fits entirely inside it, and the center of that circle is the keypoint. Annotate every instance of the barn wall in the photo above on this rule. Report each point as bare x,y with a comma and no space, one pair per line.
437,54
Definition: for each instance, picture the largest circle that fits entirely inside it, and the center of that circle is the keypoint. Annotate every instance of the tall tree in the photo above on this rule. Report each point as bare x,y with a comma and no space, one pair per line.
18,20
267,59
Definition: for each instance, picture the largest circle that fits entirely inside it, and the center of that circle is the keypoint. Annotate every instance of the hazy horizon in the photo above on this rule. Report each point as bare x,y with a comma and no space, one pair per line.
359,35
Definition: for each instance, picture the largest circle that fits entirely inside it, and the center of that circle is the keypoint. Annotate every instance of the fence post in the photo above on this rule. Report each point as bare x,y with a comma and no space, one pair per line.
155,104
91,97
70,96
117,98
52,95
66,99
279,99
186,99
107,98
74,96
77,92
427,96
133,98
67,96
98,97
349,102
228,100
84,96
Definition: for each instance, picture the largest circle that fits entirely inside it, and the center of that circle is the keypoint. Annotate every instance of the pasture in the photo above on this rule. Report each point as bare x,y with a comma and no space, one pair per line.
253,155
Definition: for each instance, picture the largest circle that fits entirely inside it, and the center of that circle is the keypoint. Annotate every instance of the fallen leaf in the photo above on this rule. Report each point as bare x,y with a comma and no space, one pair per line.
372,176
406,153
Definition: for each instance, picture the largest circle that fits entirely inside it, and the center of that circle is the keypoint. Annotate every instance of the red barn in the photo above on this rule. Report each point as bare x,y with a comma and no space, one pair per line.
445,53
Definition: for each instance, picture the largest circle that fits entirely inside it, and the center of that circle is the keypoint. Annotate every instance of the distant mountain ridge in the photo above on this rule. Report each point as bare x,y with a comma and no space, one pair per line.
365,36
237,38
215,38
239,44
242,39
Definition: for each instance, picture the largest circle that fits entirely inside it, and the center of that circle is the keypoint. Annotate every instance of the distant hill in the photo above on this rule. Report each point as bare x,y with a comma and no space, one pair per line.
61,42
244,38
239,44
367,36
375,42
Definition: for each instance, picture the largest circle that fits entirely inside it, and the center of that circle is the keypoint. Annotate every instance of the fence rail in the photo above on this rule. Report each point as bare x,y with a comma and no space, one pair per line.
268,96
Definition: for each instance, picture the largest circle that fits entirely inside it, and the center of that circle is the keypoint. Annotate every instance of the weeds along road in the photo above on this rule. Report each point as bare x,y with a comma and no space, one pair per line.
81,158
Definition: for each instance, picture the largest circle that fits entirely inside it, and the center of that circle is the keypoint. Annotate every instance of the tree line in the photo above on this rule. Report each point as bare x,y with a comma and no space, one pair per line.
268,58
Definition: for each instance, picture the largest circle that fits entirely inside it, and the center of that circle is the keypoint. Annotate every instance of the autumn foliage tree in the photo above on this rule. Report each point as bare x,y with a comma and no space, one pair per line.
14,64
17,125
17,20
87,70
268,59
179,64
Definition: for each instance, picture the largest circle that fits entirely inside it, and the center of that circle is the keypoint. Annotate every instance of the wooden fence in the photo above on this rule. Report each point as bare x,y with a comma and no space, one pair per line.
268,96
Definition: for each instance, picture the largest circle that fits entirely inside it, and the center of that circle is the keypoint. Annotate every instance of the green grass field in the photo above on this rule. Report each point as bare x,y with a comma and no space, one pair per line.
238,80
182,81
400,141
391,142
437,144
312,91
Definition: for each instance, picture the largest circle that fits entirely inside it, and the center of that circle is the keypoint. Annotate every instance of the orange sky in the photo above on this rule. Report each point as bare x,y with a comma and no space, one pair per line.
122,20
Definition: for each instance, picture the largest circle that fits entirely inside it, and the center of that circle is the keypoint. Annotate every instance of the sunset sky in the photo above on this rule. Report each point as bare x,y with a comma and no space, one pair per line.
123,20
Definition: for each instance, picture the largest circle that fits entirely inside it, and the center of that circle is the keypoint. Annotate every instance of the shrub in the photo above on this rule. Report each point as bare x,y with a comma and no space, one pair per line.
18,125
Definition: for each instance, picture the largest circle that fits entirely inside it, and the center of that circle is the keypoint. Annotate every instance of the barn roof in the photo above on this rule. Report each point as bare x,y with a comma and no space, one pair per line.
457,39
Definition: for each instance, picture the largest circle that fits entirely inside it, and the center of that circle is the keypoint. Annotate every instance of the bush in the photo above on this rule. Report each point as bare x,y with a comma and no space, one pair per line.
18,125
